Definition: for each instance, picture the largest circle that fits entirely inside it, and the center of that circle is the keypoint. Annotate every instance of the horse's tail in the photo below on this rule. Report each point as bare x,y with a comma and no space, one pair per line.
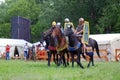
97,49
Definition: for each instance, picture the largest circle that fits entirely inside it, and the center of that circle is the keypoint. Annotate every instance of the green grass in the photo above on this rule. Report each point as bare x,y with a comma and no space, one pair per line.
21,70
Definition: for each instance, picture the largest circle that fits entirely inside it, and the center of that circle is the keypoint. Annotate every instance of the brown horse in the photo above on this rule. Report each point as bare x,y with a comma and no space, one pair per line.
61,42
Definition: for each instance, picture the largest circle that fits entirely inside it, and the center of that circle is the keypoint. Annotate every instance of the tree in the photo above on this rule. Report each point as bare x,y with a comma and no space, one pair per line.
108,23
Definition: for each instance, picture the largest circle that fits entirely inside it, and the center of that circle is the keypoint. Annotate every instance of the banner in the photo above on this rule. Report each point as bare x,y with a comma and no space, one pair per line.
86,33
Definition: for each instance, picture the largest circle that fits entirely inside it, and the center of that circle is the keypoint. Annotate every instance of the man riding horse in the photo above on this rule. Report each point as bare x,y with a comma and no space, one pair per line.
82,33
79,32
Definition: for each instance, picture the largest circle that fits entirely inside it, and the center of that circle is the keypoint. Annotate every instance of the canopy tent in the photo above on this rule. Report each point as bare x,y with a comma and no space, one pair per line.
106,41
41,45
19,43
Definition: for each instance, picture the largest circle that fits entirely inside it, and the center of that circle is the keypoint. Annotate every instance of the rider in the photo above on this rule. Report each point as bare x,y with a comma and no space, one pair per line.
79,29
79,32
59,25
68,24
53,24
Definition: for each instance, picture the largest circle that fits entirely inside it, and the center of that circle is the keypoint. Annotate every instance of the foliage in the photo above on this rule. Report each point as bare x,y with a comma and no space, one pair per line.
103,15
5,29
109,20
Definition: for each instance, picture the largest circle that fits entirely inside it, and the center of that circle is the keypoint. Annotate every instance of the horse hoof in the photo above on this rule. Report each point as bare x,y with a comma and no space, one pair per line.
88,66
82,67
58,64
48,65
67,63
93,65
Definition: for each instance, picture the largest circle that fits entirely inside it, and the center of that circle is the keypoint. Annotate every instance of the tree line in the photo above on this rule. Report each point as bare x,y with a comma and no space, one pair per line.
103,15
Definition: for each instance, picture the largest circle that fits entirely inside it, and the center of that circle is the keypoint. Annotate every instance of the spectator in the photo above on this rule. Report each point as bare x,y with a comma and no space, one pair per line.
26,48
7,52
33,52
109,54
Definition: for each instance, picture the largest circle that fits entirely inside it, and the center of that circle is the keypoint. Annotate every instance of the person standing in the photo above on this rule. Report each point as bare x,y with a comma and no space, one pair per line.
26,48
109,52
7,52
33,52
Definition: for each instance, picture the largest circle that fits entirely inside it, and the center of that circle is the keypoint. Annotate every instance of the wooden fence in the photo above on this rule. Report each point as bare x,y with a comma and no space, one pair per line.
42,55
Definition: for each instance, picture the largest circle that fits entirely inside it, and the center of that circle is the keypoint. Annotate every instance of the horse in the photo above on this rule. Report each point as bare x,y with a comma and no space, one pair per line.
74,46
61,45
92,43
50,45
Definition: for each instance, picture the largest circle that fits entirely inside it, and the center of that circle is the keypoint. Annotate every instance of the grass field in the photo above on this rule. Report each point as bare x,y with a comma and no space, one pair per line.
21,70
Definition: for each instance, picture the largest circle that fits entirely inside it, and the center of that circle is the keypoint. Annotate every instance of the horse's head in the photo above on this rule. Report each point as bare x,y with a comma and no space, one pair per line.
47,36
47,33
69,31
56,32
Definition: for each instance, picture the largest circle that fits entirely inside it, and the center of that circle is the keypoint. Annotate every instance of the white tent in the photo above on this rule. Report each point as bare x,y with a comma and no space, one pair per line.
19,43
111,41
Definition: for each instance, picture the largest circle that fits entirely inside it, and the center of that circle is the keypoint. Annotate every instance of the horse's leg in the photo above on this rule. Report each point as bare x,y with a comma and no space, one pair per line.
54,58
72,56
78,61
59,59
92,59
64,61
67,54
49,57
89,61
67,57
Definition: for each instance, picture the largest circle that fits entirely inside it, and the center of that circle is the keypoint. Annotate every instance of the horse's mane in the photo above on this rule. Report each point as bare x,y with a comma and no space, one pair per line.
47,31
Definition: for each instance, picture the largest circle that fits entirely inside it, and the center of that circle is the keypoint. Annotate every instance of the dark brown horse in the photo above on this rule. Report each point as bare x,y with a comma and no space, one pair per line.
61,42
74,47
50,45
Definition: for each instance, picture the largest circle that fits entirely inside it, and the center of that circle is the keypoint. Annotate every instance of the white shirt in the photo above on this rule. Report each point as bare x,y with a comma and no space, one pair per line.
26,48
